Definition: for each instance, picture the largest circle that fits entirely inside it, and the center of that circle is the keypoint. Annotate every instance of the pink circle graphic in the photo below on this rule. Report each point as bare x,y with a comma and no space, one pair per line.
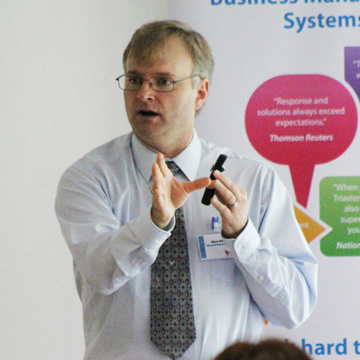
301,121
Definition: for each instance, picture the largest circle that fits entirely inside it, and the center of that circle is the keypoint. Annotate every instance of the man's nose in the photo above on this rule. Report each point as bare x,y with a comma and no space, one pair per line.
146,92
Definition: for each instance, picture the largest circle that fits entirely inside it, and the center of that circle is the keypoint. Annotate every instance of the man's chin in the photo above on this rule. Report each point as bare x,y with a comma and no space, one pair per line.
146,122
148,132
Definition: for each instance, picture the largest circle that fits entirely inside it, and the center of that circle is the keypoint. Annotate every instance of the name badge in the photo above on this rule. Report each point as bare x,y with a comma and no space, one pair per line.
213,246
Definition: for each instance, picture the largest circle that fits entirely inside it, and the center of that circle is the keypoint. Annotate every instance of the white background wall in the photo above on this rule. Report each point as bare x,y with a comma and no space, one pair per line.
58,100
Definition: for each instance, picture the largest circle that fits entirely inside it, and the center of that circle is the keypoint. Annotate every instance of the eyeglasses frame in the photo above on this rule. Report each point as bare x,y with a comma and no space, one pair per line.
151,84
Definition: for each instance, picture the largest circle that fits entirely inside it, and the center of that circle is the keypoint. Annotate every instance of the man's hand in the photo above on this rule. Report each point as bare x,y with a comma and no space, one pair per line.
168,193
231,202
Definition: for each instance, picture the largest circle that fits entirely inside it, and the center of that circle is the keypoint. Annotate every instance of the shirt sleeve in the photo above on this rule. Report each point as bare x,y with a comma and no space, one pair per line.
106,253
276,261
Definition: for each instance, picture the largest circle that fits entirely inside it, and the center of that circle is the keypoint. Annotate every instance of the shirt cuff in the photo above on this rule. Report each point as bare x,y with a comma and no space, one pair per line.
246,244
147,233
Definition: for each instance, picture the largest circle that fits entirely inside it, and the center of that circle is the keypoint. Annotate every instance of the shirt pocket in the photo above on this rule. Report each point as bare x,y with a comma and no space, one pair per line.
226,270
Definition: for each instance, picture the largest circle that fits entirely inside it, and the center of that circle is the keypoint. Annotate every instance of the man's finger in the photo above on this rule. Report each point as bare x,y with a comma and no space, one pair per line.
227,184
162,164
197,184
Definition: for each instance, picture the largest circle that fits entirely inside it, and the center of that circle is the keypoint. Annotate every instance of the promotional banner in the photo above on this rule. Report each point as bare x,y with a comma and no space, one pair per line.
286,91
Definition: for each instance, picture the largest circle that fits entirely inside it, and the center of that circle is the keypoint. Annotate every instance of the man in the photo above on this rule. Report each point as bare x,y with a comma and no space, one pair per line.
116,209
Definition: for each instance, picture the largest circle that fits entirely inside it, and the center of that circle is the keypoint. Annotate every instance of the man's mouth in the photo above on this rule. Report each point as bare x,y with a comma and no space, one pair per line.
148,113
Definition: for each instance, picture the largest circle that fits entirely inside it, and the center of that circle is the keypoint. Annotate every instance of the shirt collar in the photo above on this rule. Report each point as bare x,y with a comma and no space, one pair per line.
188,160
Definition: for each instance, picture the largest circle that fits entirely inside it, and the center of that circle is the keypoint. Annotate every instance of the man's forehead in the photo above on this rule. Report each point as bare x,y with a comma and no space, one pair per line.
160,54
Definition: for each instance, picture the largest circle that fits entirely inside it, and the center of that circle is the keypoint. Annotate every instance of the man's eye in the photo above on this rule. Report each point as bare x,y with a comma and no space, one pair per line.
133,80
163,82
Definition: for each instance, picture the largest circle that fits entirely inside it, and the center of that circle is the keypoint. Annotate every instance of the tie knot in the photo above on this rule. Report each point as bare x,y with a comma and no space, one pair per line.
173,167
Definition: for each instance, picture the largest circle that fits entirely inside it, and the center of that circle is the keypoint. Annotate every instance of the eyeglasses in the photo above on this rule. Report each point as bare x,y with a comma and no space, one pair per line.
157,83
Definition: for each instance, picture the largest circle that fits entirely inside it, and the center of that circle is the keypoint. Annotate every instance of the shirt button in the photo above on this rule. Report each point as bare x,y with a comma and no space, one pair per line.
260,278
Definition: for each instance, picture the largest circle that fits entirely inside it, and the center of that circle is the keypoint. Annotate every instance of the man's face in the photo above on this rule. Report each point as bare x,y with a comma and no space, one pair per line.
164,121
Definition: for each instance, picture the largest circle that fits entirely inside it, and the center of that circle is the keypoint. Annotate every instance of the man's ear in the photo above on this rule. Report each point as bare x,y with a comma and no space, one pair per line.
202,93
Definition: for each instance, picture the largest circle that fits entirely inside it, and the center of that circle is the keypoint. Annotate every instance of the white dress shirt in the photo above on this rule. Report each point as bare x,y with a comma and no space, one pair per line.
103,206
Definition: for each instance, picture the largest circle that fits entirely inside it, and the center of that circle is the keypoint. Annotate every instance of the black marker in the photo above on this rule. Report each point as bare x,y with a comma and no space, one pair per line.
209,193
